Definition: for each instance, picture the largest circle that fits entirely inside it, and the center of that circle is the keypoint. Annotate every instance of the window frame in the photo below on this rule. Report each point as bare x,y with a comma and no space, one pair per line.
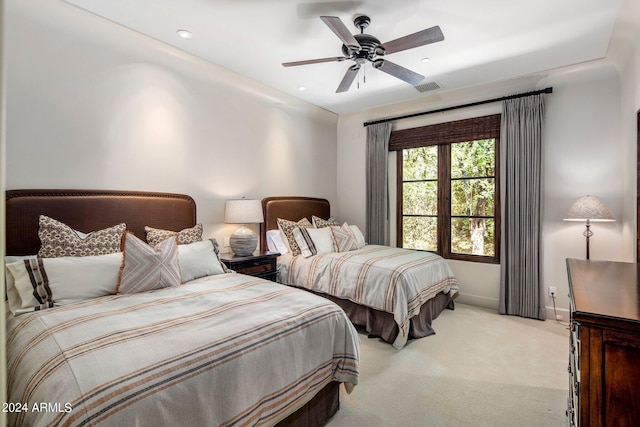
444,135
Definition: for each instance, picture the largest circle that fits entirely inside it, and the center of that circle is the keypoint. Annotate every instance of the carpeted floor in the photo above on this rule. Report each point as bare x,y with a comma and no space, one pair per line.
480,369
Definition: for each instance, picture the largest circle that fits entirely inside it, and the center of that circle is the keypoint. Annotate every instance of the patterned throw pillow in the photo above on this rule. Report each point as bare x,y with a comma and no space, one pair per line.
186,236
304,241
343,238
145,268
321,223
287,228
58,239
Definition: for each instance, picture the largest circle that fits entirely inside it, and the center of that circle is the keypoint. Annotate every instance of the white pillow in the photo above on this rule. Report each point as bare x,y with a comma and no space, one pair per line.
359,236
69,279
322,239
275,242
197,260
13,297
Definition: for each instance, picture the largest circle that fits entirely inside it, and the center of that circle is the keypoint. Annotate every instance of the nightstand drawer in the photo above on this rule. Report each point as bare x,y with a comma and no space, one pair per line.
256,267
263,264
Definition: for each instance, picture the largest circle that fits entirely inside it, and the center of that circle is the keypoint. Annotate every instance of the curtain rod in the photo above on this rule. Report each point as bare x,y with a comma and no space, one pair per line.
455,107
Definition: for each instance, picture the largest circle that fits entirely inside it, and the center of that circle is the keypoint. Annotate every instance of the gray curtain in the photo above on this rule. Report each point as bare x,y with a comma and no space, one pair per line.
377,232
521,290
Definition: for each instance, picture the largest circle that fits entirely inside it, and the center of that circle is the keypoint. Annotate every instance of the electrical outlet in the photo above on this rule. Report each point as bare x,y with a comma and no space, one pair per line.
225,242
552,291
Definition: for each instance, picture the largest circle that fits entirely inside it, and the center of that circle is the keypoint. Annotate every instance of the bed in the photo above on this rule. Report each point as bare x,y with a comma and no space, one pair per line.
222,349
394,293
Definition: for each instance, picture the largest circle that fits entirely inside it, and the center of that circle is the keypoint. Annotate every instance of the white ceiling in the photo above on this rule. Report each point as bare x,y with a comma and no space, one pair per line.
485,41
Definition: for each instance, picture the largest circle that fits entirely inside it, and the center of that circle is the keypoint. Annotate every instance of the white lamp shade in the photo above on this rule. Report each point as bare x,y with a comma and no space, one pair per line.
589,208
243,211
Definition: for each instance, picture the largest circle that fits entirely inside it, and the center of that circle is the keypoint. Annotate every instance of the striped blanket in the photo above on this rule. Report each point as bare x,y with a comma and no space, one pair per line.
393,280
225,350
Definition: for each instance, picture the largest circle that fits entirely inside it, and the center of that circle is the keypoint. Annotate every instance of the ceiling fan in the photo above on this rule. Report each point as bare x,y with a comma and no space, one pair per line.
362,47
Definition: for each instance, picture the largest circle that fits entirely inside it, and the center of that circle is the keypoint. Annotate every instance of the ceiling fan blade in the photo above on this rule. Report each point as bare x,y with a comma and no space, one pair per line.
337,26
396,70
348,78
314,61
421,38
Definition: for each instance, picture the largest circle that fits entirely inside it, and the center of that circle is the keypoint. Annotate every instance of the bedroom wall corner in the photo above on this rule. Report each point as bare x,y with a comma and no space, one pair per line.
3,354
92,104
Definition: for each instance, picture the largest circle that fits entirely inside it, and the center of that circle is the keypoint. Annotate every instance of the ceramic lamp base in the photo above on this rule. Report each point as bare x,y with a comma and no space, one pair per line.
244,241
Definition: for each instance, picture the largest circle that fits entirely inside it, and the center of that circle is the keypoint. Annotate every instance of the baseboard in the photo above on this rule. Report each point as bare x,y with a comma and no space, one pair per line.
479,301
494,304
562,312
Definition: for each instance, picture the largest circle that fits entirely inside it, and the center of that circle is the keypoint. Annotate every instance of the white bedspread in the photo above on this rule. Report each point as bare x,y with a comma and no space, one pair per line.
223,350
393,280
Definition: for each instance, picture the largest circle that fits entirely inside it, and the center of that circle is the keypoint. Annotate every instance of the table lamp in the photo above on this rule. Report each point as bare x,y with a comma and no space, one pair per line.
589,208
243,211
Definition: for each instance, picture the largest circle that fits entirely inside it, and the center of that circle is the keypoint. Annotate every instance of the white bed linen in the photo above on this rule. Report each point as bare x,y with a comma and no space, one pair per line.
227,349
393,280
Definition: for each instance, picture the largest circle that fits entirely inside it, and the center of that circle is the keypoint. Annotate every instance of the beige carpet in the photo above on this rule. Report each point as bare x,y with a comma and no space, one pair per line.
480,369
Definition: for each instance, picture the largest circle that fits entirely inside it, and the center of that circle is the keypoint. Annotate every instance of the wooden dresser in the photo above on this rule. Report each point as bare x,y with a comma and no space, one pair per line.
604,361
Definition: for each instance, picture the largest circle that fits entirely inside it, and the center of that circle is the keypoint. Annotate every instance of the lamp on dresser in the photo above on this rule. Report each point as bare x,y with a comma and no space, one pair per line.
589,208
243,211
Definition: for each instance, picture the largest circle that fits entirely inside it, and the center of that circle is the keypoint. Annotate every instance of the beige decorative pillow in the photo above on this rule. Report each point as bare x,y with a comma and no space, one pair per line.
321,223
58,239
322,239
145,268
287,227
343,238
186,236
358,235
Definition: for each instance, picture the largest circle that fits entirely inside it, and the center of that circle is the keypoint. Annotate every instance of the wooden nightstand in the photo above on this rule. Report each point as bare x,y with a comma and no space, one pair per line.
260,264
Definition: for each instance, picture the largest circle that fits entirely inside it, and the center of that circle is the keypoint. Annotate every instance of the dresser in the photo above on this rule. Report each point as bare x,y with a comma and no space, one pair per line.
604,360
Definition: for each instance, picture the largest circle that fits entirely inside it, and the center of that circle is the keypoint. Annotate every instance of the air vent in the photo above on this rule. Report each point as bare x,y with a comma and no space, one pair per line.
426,87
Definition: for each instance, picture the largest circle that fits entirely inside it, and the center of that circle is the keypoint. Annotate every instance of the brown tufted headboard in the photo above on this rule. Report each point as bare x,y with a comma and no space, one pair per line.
89,210
292,208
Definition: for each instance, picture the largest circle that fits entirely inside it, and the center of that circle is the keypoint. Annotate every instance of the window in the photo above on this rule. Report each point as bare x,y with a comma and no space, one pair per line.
448,188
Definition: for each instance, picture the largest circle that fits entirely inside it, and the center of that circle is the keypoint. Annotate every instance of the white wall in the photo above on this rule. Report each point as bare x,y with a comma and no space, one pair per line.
583,153
630,108
91,104
3,355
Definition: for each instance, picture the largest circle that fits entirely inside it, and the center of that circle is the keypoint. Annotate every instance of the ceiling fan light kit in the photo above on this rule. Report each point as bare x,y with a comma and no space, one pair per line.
363,48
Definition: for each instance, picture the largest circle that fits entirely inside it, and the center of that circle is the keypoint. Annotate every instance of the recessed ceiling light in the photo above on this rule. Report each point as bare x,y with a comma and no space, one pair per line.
425,59
185,34
302,88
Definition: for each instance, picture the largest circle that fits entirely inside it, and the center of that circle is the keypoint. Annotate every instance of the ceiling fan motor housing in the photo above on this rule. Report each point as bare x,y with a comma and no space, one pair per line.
369,48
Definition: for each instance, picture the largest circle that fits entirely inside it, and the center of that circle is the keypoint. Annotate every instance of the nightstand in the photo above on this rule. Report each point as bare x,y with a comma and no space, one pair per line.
260,264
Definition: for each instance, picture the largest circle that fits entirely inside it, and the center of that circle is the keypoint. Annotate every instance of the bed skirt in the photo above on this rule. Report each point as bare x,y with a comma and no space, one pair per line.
318,410
382,324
